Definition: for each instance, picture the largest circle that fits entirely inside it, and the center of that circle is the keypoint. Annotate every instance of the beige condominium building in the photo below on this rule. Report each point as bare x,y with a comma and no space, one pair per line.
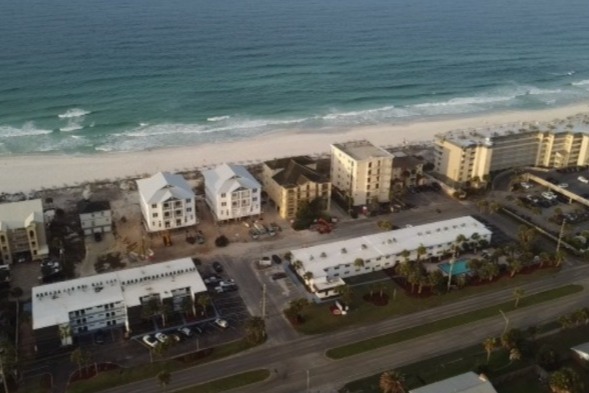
470,155
290,181
22,232
361,171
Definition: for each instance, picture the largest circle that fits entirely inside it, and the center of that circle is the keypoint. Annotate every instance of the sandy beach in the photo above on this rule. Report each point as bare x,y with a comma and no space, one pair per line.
25,173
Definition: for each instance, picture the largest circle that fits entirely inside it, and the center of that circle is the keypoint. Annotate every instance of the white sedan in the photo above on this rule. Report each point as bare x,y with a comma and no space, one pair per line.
221,323
583,179
150,341
161,337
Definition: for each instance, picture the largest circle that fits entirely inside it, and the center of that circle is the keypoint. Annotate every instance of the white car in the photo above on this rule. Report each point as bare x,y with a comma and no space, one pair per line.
161,337
583,179
150,341
525,185
564,185
221,323
548,195
185,331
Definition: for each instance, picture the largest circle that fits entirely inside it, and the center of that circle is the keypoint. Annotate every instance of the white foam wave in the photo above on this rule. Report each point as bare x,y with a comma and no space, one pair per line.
143,124
459,101
71,128
581,83
218,118
28,129
74,112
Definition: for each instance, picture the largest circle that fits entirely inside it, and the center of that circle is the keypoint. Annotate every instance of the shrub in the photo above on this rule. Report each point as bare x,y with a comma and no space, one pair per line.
222,241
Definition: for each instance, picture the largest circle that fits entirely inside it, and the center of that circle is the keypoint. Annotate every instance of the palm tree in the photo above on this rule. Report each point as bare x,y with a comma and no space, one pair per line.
543,257
392,382
406,254
77,357
297,306
483,205
308,276
526,236
565,322
514,355
188,305
359,263
345,292
494,207
460,239
255,329
515,266
518,294
475,237
511,338
421,250
558,258
204,300
436,279
164,378
297,265
566,380
489,344
490,271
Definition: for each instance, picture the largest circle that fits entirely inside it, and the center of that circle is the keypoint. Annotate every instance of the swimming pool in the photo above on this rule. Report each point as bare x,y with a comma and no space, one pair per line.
460,267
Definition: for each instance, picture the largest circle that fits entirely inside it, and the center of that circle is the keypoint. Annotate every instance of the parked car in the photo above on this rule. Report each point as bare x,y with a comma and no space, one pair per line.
150,341
211,279
563,185
176,337
275,227
278,276
217,267
186,332
161,337
197,330
265,261
254,233
583,179
525,185
221,323
276,259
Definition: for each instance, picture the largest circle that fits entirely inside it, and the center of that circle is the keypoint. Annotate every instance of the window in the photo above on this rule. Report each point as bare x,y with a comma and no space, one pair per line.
188,209
154,215
188,201
223,195
223,204
255,190
153,206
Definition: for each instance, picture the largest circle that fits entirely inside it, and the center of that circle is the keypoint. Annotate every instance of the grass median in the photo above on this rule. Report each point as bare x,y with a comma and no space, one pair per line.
448,323
319,319
111,379
228,383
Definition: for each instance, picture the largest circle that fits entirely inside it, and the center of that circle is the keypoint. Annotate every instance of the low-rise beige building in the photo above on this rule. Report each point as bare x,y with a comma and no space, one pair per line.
22,232
407,170
361,171
471,155
290,181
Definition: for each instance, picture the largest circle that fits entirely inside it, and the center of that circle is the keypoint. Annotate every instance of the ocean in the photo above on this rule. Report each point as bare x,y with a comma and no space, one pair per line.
105,76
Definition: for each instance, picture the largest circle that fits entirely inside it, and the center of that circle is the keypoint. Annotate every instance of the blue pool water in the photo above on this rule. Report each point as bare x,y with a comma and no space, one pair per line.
460,267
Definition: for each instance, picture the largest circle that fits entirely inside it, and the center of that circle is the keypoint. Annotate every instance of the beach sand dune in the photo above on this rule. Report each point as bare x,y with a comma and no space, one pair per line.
33,172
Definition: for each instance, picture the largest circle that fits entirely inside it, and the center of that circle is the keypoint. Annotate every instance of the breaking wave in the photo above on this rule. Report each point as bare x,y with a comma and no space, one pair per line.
73,113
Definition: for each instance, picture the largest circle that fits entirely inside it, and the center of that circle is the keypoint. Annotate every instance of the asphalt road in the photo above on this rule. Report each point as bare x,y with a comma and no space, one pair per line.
293,359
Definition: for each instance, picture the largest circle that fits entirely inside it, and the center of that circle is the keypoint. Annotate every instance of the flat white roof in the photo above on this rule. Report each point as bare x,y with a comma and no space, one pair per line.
362,150
20,214
463,383
485,135
317,258
52,303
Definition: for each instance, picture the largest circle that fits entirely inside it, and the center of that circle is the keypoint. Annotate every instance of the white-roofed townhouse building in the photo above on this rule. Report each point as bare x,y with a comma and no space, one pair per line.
111,300
232,192
323,267
167,202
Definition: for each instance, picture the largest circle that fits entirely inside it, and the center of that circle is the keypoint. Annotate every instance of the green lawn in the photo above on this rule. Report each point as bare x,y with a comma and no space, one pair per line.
320,320
447,323
110,379
228,383
469,359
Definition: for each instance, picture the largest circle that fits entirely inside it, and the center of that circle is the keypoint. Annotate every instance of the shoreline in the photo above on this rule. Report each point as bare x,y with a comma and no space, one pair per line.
33,172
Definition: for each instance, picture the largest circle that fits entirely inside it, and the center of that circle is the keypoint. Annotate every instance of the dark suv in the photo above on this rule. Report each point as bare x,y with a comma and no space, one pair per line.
217,267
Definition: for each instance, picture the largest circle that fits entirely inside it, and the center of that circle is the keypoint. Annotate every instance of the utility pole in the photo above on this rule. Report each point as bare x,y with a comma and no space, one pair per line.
560,235
264,301
308,381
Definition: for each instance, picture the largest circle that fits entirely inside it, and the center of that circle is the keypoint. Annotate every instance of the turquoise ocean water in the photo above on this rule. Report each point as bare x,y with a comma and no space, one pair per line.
104,75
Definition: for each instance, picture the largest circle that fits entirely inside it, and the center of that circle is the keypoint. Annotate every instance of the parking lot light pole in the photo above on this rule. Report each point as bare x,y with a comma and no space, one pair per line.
560,235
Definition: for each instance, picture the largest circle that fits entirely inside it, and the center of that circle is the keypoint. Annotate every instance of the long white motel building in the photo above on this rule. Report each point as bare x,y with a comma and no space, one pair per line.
65,309
331,262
